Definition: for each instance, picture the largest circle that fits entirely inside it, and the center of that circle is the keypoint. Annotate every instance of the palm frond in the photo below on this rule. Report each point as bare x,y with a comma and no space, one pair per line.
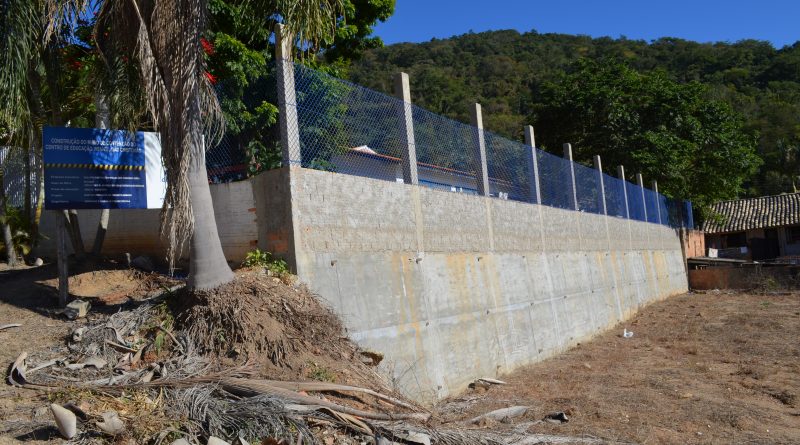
18,45
62,16
311,22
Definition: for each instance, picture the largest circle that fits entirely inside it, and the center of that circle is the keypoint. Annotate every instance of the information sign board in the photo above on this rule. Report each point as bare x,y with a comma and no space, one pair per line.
91,168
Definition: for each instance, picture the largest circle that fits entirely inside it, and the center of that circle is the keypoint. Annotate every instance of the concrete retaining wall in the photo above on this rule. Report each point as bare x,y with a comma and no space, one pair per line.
449,286
453,286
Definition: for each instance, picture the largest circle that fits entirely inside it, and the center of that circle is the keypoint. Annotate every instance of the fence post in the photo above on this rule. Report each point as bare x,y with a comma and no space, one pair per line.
602,194
533,166
658,201
287,102
621,175
568,156
402,90
481,168
640,181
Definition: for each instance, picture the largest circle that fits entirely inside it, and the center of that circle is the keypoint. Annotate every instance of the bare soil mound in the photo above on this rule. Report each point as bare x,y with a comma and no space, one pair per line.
281,328
111,287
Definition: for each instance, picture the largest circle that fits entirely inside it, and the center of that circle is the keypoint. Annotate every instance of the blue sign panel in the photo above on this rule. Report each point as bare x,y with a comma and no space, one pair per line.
87,168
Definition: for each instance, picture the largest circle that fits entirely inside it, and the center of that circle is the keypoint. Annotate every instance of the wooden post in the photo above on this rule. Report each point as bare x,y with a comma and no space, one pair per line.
61,252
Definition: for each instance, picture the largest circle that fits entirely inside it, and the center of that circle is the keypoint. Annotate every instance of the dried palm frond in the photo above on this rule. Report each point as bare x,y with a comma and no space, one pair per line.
162,39
251,418
62,16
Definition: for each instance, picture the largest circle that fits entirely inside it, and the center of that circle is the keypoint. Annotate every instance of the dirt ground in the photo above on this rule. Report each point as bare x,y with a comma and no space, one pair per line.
701,368
28,296
716,367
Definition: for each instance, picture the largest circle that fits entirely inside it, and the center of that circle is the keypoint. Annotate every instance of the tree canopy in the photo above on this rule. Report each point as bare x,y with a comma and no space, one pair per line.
239,53
707,104
671,132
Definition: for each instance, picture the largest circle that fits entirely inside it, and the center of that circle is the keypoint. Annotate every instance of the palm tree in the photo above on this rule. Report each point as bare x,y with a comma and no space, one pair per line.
153,71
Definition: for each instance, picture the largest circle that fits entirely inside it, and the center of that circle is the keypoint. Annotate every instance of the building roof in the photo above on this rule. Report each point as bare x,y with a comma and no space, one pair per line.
364,150
754,213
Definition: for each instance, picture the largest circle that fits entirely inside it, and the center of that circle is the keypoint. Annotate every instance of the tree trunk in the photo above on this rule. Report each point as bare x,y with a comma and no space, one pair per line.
101,120
27,202
35,142
51,58
207,265
8,239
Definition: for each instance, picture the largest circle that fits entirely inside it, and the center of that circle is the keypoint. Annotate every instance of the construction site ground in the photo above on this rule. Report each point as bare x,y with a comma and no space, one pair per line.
714,367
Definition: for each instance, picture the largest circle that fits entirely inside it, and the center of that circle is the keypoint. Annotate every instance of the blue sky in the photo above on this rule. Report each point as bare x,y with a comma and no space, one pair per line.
777,21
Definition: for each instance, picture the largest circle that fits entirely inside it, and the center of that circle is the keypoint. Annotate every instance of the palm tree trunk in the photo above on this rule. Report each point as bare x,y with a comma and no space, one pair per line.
101,120
207,265
27,201
8,239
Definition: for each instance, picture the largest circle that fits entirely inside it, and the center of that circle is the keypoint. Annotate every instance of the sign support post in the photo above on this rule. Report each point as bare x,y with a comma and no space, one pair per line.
61,252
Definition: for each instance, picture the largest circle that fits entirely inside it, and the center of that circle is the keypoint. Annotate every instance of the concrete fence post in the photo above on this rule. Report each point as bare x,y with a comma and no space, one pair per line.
601,195
533,166
640,181
402,91
481,167
621,176
287,103
658,201
568,156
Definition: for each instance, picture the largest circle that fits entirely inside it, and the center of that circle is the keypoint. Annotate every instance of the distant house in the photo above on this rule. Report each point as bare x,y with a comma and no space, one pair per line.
762,228
364,161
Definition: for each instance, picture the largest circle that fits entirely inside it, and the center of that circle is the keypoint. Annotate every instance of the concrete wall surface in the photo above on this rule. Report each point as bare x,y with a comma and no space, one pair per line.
450,286
453,286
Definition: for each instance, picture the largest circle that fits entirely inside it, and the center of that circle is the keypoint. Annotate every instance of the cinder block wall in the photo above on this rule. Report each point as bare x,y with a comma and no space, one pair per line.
136,232
452,286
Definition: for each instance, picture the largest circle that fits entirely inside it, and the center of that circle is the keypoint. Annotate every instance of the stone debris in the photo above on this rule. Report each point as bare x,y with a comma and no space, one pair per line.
143,262
111,424
216,441
77,309
66,421
504,415
371,358
558,418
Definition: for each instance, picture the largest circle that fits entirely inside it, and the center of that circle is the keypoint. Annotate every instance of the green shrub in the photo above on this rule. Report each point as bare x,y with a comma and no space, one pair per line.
258,258
21,230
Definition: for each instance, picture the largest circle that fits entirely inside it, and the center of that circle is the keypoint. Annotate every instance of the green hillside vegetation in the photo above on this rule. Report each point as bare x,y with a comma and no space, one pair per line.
708,121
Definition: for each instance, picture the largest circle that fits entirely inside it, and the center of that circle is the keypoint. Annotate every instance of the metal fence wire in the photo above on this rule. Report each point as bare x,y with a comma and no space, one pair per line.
346,128
555,182
616,203
349,129
636,205
587,186
507,166
19,170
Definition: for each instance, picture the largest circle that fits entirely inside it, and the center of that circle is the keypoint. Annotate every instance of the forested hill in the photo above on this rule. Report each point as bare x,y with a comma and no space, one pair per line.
603,93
